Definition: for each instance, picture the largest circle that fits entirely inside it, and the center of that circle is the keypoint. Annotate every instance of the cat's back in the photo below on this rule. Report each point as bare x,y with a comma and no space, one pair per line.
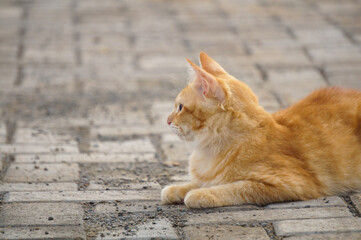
325,128
333,105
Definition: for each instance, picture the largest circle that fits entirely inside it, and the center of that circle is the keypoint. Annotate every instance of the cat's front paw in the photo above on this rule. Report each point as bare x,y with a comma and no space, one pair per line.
172,194
200,198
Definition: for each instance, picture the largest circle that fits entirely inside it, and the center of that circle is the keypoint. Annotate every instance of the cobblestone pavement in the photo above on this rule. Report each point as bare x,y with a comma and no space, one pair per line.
85,88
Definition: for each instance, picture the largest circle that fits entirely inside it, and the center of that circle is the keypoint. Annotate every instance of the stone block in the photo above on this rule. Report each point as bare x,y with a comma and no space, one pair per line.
43,232
124,130
114,114
130,146
80,196
65,56
33,214
293,85
86,158
124,186
333,201
269,215
41,136
18,172
47,77
104,42
159,229
309,226
162,63
26,187
325,236
136,207
224,232
336,55
32,148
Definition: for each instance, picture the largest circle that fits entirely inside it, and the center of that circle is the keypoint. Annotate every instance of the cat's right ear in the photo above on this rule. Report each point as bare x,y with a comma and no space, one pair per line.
206,84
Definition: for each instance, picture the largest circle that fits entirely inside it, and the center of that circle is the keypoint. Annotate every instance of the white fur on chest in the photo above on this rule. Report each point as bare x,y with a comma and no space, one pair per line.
203,166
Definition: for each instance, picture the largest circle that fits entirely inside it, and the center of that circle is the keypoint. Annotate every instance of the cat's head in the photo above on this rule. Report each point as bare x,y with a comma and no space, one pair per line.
210,101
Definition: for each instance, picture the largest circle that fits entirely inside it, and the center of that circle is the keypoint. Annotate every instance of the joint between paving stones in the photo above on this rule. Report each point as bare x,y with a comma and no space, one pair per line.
351,206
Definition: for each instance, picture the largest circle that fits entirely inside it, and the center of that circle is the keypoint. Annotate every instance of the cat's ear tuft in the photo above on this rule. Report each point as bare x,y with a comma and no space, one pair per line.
211,66
206,84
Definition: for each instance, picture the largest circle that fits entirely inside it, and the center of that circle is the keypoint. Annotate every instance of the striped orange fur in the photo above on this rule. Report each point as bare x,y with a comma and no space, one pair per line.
245,155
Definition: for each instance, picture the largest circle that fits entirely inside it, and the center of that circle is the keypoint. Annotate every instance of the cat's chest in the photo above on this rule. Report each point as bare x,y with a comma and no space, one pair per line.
205,169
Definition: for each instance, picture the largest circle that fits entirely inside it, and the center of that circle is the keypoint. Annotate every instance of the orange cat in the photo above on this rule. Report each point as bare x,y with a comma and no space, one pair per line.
245,155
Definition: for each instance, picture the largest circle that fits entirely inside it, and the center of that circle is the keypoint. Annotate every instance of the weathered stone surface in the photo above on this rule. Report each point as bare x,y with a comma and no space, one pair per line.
296,84
135,207
78,196
125,186
26,187
325,236
269,215
32,214
307,226
160,228
41,232
61,172
86,158
131,146
36,148
118,131
321,202
224,232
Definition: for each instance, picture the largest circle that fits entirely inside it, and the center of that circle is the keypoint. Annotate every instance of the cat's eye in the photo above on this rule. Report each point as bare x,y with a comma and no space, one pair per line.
180,107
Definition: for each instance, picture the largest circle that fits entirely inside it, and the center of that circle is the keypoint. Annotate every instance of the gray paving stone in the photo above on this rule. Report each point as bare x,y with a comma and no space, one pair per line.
41,232
19,172
307,226
160,228
161,63
86,158
333,201
224,232
25,187
79,196
46,77
32,148
118,131
103,42
326,236
135,207
269,215
41,136
125,186
115,115
131,146
9,74
324,56
32,214
66,56
297,84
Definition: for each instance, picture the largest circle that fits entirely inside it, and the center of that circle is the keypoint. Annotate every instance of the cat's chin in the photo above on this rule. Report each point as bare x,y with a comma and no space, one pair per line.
188,138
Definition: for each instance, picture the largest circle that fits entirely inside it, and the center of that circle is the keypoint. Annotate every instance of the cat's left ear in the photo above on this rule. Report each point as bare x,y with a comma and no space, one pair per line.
206,84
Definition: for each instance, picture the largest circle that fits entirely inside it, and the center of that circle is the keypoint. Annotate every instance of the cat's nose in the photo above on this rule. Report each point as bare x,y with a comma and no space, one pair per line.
169,122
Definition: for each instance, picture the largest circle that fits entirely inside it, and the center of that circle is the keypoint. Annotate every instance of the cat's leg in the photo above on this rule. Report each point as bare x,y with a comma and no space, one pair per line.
176,193
237,193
